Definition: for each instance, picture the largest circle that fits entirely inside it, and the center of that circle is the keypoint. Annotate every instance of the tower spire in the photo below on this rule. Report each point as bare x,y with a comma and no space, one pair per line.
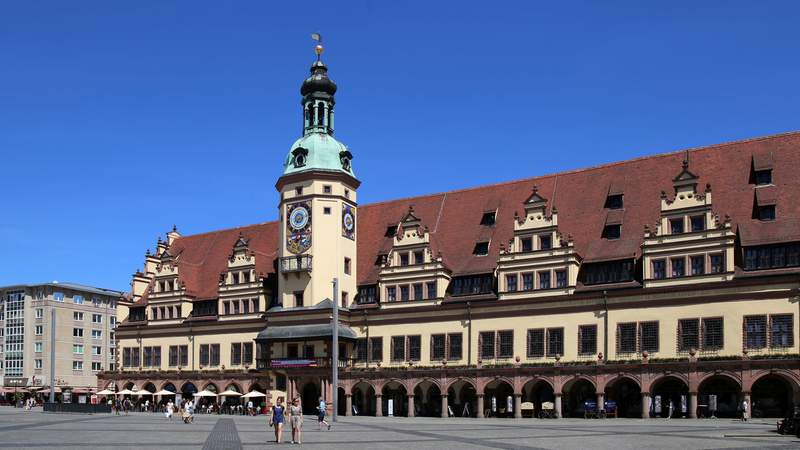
318,95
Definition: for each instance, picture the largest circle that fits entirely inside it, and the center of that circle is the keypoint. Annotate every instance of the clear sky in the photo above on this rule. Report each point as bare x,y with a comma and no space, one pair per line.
120,119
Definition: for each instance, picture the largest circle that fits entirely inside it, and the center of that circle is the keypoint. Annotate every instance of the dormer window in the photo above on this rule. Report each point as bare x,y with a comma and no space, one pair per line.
391,231
381,259
299,157
235,277
698,223
404,259
419,257
345,157
526,243
766,212
246,277
488,219
612,232
614,201
676,226
545,242
481,249
763,177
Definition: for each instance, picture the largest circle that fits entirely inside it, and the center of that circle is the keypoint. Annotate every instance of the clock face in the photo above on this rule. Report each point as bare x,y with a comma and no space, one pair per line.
298,218
349,222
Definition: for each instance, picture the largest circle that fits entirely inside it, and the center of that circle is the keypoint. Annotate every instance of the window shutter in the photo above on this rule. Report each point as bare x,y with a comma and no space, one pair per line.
496,344
480,345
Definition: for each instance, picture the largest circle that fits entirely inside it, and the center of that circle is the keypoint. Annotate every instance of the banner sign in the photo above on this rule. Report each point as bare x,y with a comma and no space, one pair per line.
290,363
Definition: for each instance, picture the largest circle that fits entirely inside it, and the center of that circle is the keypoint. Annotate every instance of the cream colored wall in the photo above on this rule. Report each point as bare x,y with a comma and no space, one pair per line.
225,341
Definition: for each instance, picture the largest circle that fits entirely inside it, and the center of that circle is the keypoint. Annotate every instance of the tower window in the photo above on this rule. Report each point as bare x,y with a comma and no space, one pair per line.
481,249
298,190
347,193
326,189
320,113
766,212
326,210
612,232
347,266
298,298
391,230
763,177
614,201
488,219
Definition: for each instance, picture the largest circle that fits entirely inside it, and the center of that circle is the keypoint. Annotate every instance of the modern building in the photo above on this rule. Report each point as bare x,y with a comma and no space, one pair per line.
670,282
83,333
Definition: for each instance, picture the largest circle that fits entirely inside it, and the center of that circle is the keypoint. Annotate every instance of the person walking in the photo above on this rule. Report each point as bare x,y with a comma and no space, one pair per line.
322,408
277,419
296,418
745,410
169,411
671,409
250,411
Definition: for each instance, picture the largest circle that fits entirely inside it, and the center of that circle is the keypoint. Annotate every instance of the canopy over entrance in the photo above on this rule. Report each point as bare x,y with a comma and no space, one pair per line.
294,332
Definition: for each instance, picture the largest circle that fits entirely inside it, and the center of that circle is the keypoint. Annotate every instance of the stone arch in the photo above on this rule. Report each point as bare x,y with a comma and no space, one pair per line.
569,382
722,388
601,387
363,397
726,374
462,397
772,394
130,385
789,376
166,384
233,386
472,382
538,390
357,383
255,386
188,387
211,386
483,382
428,398
623,396
668,391
498,395
578,393
433,381
396,390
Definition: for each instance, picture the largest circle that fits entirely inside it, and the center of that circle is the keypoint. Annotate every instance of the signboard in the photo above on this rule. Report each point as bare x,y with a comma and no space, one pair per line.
93,399
509,403
82,399
494,404
67,396
292,363
390,407
712,402
657,404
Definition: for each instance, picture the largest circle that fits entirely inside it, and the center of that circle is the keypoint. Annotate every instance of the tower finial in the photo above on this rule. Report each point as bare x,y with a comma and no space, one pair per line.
319,48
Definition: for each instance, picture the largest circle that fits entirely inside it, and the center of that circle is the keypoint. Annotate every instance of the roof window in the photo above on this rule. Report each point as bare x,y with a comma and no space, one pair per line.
766,212
481,249
612,231
488,218
614,201
391,230
763,177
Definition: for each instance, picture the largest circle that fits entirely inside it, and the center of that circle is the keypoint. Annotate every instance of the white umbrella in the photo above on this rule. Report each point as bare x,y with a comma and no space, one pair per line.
254,394
164,392
143,392
230,393
105,392
126,392
205,393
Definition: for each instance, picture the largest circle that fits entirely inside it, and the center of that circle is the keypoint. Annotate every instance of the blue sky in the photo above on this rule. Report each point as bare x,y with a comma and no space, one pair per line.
118,119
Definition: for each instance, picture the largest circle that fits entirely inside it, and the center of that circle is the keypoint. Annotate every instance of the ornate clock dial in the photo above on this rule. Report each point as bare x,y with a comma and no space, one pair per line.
299,218
348,221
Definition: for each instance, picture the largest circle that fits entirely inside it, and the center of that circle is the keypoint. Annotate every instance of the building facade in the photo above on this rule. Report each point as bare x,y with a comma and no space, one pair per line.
665,283
83,333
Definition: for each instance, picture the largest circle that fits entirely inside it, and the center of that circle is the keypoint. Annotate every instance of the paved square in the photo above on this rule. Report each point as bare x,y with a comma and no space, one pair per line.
21,429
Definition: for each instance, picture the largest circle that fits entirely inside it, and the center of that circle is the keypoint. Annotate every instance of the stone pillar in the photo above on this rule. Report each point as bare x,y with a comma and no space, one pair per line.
480,407
601,396
517,406
348,405
411,405
692,405
378,405
645,405
557,405
444,406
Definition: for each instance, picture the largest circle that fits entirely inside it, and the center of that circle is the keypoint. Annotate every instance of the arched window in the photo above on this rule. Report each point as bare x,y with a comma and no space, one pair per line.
310,114
320,112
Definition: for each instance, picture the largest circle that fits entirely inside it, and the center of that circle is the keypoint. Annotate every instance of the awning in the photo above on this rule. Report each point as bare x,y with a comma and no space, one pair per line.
290,332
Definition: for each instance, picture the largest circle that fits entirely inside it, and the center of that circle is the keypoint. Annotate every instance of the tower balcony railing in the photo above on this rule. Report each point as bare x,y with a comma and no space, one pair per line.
299,263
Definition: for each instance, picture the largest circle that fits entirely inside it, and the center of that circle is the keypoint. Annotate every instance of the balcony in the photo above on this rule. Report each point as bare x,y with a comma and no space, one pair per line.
300,363
299,263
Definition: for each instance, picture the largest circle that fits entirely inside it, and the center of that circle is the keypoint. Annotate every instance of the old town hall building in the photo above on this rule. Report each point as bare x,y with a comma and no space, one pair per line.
670,280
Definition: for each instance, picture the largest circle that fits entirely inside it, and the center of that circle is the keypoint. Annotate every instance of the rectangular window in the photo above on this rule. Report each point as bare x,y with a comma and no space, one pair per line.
607,272
183,355
246,306
713,335
247,353
511,282
438,342
781,331
204,354
419,257
488,218
37,363
414,348
326,189
173,356
77,365
555,342
535,343
404,259
77,332
58,296
698,223
148,356
376,348
698,265
431,286
77,299
326,210
391,230
135,357
37,347
527,281
398,348
292,351
418,291
545,242
97,366
39,313
614,201
226,308
659,269
361,349
236,353
487,348
214,355
587,339
235,277
97,350
97,318
391,293
126,357
676,226
77,349
77,315
481,249
526,243
345,299
97,334
298,298
454,345
561,278
308,351
626,337
678,267
766,212
717,263
235,304
755,329
648,336
688,334
763,177
544,280
506,344
612,232
404,293
347,266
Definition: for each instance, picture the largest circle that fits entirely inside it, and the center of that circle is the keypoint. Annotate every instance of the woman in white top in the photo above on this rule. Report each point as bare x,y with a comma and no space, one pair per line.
168,412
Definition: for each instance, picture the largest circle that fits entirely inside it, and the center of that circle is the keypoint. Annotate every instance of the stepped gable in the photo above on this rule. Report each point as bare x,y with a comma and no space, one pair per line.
453,218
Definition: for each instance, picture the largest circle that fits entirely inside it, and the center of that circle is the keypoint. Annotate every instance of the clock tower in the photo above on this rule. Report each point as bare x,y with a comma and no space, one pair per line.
317,210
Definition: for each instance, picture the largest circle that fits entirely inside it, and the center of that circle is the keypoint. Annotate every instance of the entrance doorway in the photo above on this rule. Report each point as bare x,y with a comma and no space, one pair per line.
311,395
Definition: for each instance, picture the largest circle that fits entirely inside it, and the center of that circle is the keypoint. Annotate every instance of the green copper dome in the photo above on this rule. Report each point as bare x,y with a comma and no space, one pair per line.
318,151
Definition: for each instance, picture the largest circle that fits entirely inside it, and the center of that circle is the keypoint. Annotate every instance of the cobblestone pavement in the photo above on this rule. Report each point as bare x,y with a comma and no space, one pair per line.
34,430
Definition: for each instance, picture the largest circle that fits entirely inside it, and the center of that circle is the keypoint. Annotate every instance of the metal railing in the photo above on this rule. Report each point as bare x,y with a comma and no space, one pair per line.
299,263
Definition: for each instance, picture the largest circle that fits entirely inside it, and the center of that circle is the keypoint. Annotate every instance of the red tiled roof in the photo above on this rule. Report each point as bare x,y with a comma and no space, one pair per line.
453,218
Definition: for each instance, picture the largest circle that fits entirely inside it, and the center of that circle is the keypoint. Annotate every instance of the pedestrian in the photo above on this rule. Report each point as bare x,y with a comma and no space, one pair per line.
168,412
296,417
671,408
250,411
190,407
322,408
745,410
147,406
277,419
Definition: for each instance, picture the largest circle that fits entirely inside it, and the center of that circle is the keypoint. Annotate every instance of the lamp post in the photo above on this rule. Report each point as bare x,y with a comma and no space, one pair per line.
335,350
